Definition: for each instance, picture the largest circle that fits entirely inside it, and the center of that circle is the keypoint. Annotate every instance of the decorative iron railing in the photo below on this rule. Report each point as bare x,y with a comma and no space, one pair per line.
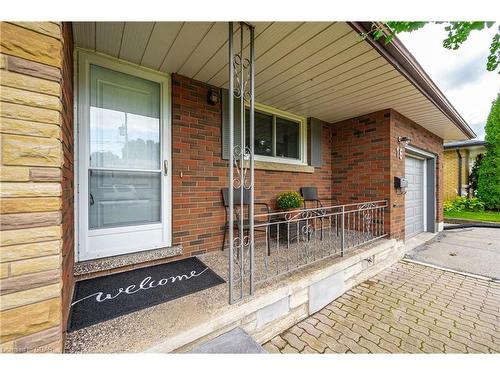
271,244
285,241
241,158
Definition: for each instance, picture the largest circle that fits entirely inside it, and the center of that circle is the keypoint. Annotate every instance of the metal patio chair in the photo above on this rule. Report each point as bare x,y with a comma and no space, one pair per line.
246,225
310,194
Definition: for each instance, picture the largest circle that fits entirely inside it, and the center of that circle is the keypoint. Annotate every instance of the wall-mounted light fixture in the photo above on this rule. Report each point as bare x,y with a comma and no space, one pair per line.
402,143
213,96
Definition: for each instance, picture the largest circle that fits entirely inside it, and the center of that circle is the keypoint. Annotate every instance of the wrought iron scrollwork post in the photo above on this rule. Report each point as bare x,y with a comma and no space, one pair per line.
241,160
342,231
367,212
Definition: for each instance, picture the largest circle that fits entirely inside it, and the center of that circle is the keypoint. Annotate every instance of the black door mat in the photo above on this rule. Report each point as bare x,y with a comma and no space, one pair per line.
107,297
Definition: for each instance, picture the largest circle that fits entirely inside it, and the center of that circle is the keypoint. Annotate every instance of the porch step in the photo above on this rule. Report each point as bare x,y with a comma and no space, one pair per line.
105,266
193,320
236,341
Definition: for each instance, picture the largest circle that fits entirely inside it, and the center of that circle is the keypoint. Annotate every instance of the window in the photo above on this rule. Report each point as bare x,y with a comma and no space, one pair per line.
276,136
124,132
263,144
287,138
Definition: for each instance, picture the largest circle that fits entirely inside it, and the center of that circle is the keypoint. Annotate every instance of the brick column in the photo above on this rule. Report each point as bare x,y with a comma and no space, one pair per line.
424,140
36,152
364,163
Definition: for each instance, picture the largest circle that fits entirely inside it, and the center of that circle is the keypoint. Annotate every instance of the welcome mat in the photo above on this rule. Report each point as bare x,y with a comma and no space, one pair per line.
106,297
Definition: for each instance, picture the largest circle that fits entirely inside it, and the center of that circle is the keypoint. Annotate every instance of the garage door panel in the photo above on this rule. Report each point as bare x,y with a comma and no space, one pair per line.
414,198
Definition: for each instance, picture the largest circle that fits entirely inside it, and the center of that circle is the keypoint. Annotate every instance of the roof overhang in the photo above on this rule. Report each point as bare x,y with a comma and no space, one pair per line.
318,69
399,56
472,144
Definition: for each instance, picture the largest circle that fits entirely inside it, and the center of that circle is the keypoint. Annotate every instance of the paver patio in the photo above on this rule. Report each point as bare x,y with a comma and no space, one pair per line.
407,308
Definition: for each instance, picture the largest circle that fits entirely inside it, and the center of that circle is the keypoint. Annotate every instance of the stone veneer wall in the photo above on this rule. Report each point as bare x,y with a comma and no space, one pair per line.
36,190
67,182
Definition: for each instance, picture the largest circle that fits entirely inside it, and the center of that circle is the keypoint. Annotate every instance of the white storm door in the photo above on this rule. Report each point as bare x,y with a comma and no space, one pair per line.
124,189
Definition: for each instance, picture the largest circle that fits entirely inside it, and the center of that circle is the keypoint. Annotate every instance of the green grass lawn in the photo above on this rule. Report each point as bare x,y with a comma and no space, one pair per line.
474,215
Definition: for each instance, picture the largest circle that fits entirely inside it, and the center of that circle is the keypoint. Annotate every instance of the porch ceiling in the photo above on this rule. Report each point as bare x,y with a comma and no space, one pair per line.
318,69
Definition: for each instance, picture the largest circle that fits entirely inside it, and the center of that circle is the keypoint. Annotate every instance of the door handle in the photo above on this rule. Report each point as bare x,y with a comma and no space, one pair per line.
165,167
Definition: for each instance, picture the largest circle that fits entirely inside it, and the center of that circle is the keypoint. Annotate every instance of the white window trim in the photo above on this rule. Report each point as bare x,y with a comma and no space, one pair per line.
302,160
82,60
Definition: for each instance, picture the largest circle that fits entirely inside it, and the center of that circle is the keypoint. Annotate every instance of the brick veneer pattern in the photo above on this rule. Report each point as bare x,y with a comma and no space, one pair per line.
422,139
365,162
359,163
198,214
450,171
361,159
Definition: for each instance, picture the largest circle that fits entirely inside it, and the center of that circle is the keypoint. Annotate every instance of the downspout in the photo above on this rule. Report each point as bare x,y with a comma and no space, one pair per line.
459,172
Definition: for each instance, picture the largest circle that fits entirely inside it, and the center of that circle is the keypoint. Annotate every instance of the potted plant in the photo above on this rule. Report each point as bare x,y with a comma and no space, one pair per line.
290,200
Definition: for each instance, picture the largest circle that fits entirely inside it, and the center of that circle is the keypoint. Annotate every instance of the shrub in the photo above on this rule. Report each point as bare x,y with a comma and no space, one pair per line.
474,204
488,189
289,200
464,204
448,206
474,174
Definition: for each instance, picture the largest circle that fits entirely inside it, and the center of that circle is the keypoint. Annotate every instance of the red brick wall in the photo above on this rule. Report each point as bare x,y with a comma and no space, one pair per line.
67,183
359,164
198,214
361,159
425,140
365,162
360,154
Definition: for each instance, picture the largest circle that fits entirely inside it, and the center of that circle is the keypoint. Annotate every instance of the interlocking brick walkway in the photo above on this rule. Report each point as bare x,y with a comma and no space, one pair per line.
407,308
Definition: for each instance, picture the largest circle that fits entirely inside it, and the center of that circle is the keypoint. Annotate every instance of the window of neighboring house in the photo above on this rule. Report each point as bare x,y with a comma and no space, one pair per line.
277,137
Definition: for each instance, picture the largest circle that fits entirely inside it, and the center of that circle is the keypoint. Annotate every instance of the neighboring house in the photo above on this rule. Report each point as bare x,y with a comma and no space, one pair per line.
115,140
459,158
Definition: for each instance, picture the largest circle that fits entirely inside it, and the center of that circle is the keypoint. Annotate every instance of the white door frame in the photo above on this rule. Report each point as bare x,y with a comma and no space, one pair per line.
430,192
126,242
423,155
424,185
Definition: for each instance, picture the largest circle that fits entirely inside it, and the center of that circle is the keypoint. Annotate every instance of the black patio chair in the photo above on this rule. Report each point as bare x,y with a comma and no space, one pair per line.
246,225
310,194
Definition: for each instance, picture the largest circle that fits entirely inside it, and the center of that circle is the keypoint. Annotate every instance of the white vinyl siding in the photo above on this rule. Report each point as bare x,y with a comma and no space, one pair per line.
313,69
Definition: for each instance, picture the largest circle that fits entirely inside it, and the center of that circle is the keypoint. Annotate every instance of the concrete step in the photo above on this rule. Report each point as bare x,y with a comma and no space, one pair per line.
236,341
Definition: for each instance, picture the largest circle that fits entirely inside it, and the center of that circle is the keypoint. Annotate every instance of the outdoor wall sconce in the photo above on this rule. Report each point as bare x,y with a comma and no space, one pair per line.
402,143
213,96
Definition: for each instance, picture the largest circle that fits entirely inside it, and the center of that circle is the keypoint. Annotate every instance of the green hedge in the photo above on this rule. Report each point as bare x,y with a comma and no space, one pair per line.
488,189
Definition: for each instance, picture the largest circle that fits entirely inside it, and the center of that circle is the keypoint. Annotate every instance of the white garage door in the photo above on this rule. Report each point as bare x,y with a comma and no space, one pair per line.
415,196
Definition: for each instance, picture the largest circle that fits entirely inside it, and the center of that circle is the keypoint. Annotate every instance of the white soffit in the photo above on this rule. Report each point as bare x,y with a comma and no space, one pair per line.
318,69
